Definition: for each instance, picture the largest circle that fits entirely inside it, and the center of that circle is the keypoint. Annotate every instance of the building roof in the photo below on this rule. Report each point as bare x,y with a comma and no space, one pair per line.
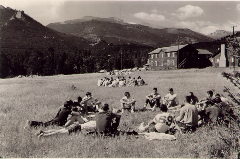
167,49
203,52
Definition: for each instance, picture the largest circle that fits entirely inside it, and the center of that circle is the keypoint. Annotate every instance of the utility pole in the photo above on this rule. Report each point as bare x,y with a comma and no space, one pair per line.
121,58
233,29
233,52
178,55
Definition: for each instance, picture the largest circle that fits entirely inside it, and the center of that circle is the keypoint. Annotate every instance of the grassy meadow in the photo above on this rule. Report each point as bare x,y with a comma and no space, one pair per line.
39,98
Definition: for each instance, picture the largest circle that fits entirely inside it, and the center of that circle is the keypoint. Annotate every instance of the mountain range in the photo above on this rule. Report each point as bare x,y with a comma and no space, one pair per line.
113,30
82,45
218,34
20,31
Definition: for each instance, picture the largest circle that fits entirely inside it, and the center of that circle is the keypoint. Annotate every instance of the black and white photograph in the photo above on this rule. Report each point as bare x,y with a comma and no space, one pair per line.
119,79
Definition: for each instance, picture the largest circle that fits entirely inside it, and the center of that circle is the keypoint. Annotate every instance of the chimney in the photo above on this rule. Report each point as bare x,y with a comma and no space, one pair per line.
222,61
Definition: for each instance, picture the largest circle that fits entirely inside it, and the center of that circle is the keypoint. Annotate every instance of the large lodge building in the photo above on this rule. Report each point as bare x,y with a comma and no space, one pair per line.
180,56
186,56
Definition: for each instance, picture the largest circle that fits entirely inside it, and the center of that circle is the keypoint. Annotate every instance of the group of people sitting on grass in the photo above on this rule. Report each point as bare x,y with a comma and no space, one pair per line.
75,115
121,81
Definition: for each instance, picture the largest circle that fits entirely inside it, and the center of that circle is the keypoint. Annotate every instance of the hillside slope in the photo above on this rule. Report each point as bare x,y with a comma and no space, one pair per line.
20,31
115,31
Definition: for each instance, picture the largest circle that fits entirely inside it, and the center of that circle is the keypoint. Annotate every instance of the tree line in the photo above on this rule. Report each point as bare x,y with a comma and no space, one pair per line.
52,61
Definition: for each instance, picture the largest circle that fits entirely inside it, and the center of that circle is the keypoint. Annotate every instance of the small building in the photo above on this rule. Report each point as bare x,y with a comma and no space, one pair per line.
203,58
180,56
223,59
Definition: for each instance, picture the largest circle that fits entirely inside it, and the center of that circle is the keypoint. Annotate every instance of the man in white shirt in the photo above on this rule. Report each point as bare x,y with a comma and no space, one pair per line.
161,122
153,100
170,99
127,102
100,82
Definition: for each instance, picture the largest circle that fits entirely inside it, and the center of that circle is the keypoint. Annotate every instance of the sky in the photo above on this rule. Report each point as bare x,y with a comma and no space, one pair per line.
201,16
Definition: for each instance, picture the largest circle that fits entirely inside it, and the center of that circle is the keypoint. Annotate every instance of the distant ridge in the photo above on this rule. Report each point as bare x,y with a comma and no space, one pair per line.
114,30
220,34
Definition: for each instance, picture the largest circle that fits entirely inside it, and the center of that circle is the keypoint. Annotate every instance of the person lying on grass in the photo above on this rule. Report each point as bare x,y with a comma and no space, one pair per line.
170,99
161,122
60,119
106,123
153,100
75,123
127,103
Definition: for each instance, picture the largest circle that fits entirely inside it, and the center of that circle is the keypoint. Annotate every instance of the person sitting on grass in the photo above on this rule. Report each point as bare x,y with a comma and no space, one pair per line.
205,103
106,121
170,99
153,100
188,117
127,103
218,111
161,122
122,82
140,81
75,115
89,103
194,99
60,119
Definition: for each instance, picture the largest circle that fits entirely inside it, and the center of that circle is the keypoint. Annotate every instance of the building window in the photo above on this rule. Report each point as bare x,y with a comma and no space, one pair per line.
155,63
173,54
162,55
152,56
173,62
168,55
217,60
148,61
162,63
156,55
168,62
232,59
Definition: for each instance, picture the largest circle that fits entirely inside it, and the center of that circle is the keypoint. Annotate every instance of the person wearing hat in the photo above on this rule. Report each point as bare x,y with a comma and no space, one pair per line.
127,102
161,122
153,100
105,123
89,103
170,99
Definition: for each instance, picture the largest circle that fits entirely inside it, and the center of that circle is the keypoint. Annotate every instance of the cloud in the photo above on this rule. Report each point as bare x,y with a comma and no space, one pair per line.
188,11
154,11
153,16
238,7
55,8
209,29
205,27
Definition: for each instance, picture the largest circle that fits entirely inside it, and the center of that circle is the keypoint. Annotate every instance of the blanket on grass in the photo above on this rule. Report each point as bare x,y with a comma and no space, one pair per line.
158,136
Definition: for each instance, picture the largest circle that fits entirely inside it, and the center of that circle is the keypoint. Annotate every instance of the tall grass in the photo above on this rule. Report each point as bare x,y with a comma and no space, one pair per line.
38,98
